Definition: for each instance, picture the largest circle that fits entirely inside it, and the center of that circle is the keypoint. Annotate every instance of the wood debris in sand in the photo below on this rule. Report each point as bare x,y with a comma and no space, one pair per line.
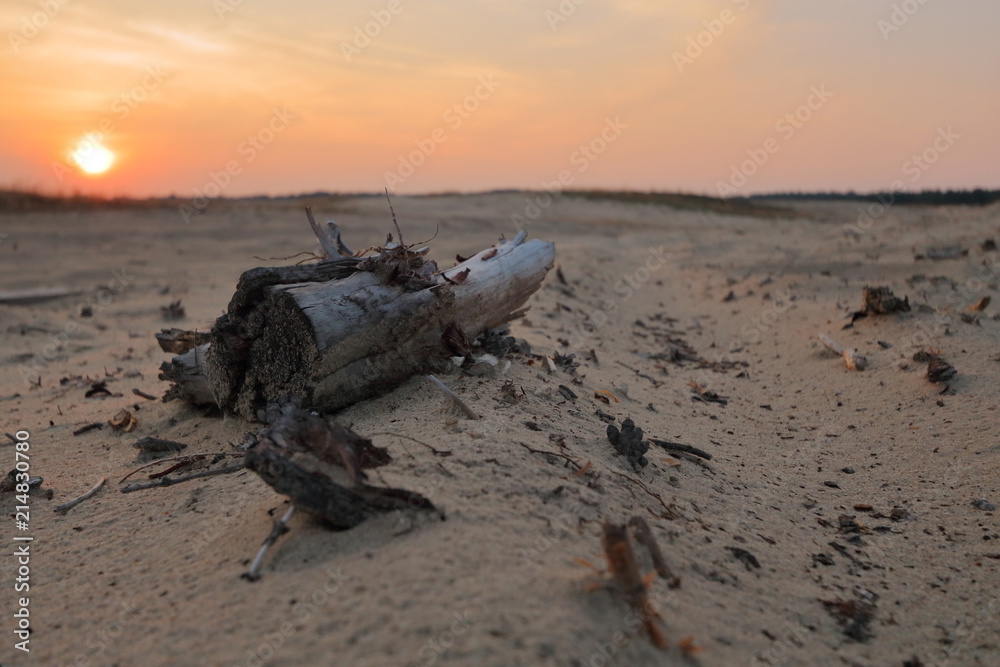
629,443
854,616
352,326
679,447
878,301
172,311
67,506
100,389
881,301
88,427
9,482
700,393
123,421
319,464
162,480
279,529
644,536
855,360
151,445
938,370
980,305
623,566
178,341
37,294
470,413
942,252
182,463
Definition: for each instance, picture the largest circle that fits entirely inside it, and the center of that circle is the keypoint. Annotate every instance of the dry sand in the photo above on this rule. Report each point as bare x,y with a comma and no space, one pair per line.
153,577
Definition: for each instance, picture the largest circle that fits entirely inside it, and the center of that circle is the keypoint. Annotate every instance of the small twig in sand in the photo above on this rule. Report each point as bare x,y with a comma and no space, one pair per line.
556,454
437,452
279,529
644,536
670,513
188,458
678,447
167,481
625,570
854,360
67,506
453,396
158,445
140,392
156,463
88,427
174,468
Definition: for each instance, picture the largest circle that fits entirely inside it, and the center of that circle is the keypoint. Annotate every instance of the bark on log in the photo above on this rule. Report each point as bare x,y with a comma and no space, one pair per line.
178,341
186,372
347,329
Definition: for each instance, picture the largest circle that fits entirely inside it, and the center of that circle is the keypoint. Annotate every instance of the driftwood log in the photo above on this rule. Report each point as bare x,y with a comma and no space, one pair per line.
348,327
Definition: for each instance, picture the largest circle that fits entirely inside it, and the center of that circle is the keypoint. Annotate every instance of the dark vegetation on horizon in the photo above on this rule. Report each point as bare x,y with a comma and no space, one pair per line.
775,205
689,202
977,197
22,201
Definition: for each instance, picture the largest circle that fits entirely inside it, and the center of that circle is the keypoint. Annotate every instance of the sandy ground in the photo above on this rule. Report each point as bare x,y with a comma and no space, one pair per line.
153,577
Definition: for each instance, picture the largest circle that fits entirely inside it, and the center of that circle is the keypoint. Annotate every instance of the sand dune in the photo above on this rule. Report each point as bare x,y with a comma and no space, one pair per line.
153,577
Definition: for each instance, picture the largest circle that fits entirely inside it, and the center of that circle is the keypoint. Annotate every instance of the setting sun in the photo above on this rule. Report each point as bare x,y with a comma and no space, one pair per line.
91,157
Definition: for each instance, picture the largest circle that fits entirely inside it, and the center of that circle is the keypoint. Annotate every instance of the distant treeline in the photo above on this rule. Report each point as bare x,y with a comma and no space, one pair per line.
977,197
774,205
690,202
23,201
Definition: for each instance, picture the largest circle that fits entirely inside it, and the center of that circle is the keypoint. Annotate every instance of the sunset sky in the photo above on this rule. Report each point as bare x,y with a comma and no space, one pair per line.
242,97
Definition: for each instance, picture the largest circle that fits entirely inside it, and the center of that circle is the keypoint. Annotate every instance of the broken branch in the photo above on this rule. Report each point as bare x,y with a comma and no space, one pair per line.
279,529
678,447
644,536
453,396
567,458
854,360
168,481
67,506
